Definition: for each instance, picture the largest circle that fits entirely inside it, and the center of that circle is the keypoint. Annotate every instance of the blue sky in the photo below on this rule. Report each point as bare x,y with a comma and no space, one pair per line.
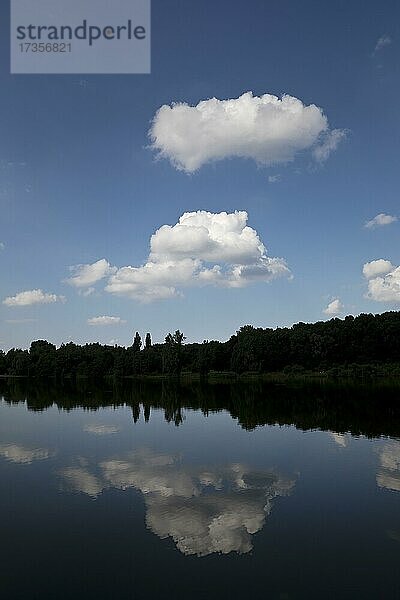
79,182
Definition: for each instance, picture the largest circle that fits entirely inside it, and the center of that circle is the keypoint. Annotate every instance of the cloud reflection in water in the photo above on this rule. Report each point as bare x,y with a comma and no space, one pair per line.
204,511
388,475
23,455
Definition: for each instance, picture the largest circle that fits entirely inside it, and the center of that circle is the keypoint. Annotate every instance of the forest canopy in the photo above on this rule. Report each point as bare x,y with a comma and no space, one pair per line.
367,343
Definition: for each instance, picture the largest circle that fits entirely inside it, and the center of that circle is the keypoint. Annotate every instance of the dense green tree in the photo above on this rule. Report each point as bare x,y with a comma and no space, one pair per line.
3,363
18,363
43,359
204,358
172,356
152,359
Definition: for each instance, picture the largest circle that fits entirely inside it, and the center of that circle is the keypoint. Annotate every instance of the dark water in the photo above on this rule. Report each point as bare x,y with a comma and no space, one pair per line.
159,490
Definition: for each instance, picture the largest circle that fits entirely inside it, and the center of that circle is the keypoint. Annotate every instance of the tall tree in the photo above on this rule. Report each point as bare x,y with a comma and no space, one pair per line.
147,342
137,342
172,356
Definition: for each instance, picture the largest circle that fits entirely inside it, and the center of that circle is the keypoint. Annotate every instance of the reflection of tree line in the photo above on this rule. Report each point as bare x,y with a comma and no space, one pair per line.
370,410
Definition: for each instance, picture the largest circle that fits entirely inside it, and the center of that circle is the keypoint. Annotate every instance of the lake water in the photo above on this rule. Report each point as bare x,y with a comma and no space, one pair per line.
159,490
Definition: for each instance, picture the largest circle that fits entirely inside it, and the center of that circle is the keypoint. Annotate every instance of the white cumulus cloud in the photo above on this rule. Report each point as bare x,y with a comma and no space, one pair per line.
87,275
383,281
384,40
105,320
329,144
334,308
380,221
203,248
377,267
267,129
30,297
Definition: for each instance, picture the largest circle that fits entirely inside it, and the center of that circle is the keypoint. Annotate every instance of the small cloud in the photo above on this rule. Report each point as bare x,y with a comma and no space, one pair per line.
334,308
274,178
383,281
376,268
384,40
329,144
380,221
30,297
104,320
2,245
89,274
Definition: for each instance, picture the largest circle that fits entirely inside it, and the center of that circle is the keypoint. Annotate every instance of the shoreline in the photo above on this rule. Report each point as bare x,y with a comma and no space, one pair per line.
224,376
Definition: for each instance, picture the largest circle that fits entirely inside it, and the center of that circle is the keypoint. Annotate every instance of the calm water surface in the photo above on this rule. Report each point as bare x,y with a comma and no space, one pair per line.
218,491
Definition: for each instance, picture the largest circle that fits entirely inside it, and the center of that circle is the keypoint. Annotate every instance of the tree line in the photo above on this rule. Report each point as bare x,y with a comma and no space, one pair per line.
366,344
